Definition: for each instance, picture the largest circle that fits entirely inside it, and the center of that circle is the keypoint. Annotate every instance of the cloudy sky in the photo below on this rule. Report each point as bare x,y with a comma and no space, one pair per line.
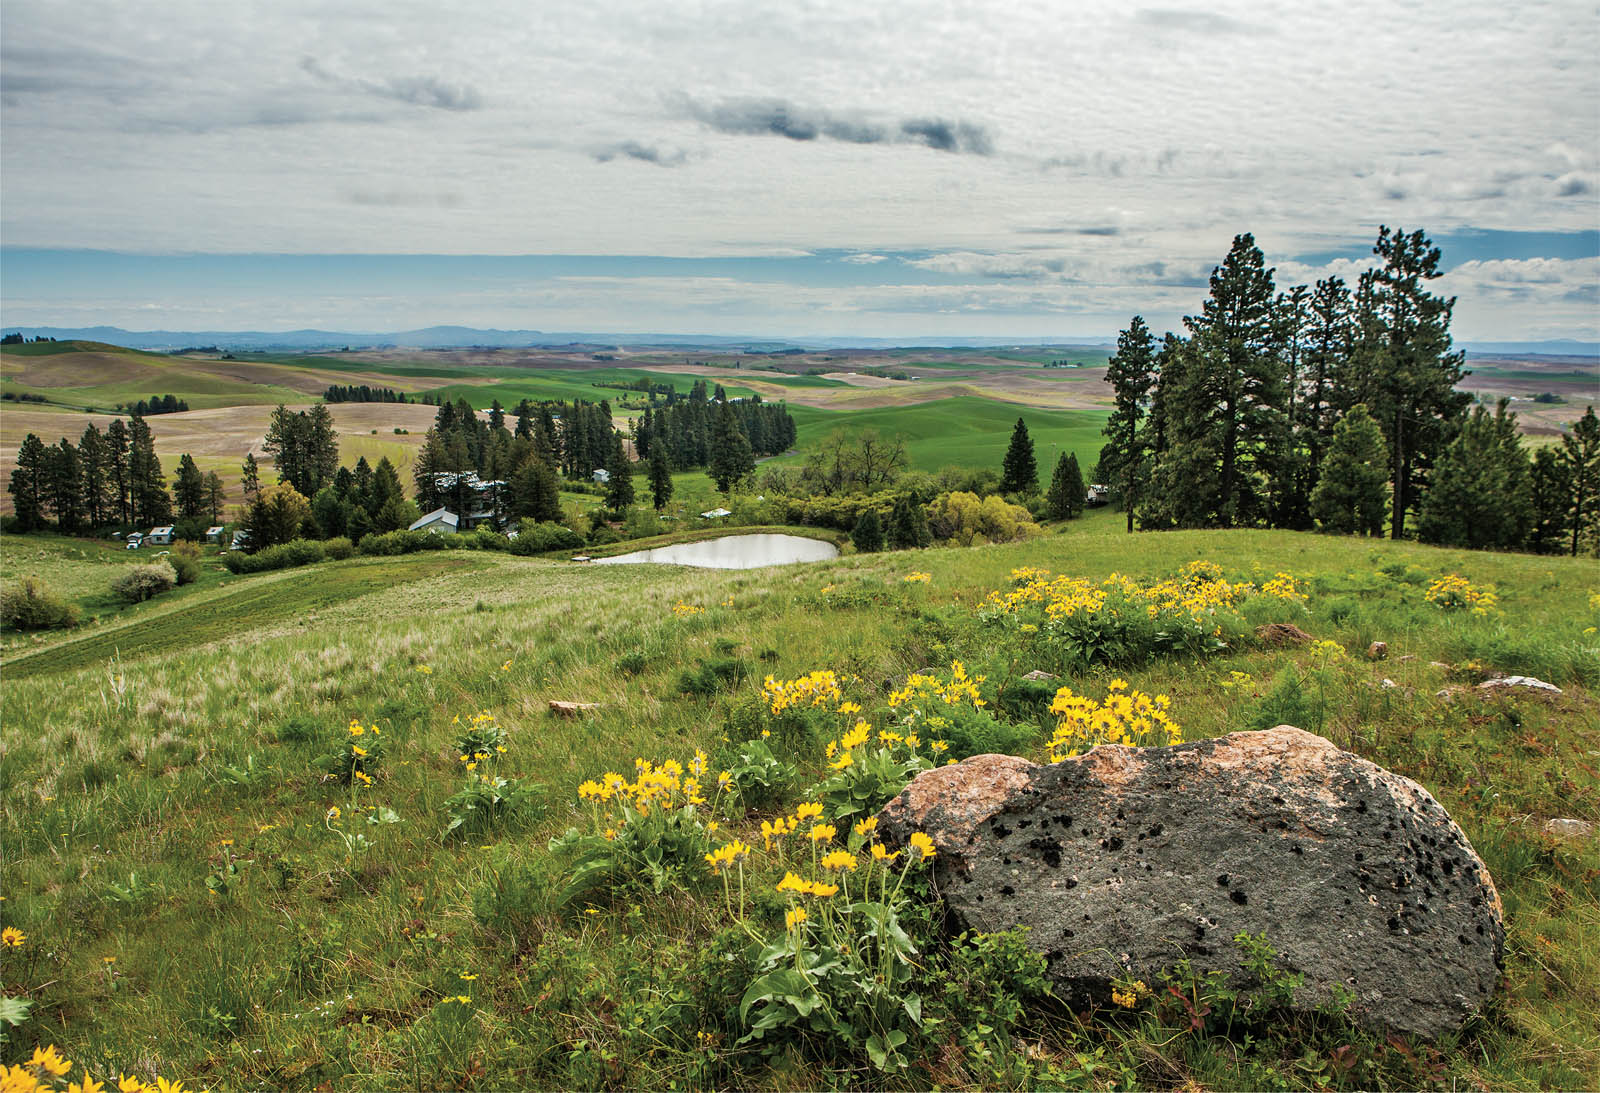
827,167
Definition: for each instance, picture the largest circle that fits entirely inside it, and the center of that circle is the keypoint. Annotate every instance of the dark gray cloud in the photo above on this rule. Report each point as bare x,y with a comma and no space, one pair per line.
647,153
1573,185
776,117
429,91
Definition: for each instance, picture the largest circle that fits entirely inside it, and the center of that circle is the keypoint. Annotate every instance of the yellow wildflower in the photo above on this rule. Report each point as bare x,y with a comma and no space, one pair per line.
333,814
793,919
50,1060
792,882
856,736
883,853
88,1085
12,938
867,826
127,1083
842,762
822,832
922,844
839,859
810,810
823,891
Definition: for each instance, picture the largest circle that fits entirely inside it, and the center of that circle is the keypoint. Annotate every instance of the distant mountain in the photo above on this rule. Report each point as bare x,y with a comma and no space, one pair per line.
452,337
1564,347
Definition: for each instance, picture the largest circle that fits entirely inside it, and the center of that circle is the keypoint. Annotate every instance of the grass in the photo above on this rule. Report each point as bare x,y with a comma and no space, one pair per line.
189,909
973,432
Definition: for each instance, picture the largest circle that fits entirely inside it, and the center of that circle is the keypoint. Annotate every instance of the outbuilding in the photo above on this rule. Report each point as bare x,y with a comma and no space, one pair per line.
437,522
161,536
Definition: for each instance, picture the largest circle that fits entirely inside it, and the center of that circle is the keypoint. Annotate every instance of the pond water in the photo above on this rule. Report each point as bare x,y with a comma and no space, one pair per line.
733,552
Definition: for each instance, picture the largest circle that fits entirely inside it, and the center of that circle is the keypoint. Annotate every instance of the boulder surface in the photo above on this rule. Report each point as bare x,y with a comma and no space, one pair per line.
1123,861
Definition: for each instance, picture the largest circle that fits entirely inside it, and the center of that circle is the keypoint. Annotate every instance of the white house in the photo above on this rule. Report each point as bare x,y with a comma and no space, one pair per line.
437,522
485,499
214,535
601,475
161,536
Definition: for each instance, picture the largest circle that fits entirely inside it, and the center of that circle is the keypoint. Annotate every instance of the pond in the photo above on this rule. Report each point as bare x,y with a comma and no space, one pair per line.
733,552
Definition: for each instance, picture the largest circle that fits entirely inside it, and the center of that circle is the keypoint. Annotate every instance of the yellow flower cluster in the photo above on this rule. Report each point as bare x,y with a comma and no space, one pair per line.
1454,593
925,688
1198,591
357,729
793,882
666,786
816,689
42,1073
683,610
917,577
725,856
1131,718
1128,997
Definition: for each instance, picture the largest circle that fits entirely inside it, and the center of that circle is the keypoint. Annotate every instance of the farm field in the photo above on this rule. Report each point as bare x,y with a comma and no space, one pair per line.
201,898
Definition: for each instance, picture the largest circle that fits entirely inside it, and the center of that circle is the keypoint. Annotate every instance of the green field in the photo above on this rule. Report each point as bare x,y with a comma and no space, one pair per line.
192,907
968,431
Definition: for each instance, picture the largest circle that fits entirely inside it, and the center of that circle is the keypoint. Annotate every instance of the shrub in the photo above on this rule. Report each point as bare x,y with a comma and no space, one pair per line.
30,604
141,582
536,538
185,561
487,804
338,548
965,520
357,757
296,552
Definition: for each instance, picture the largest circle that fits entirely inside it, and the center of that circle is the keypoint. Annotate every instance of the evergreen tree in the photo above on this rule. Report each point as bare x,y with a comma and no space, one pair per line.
1401,365
117,449
660,479
331,513
1550,498
1479,495
868,532
27,484
215,496
1020,471
94,487
1131,374
1580,450
1350,493
276,516
250,477
189,489
1064,499
64,485
148,483
619,486
1223,402
385,486
908,525
731,457
535,492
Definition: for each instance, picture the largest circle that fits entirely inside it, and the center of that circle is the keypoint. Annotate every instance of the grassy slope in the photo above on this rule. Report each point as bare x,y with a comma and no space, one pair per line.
193,762
971,432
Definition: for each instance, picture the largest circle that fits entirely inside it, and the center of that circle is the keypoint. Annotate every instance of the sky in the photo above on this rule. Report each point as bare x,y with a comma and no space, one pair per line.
811,167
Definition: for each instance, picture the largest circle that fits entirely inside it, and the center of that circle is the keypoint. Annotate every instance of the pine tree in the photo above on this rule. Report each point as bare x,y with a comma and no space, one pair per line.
535,492
27,484
147,482
908,525
1064,499
1131,374
117,449
189,489
95,485
250,477
660,478
1479,496
1402,366
1550,497
1020,471
619,486
1350,493
731,457
216,497
868,532
1580,450
1223,402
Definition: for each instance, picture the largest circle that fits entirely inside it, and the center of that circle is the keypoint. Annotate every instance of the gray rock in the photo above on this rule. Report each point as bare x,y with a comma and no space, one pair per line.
1123,861
1569,829
1527,682
1038,675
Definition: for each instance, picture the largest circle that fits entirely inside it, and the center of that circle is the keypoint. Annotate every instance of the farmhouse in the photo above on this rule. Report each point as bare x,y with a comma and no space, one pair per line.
161,536
480,497
214,534
437,522
601,475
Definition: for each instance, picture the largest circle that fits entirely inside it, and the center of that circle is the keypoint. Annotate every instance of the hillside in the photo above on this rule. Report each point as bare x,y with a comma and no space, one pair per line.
203,896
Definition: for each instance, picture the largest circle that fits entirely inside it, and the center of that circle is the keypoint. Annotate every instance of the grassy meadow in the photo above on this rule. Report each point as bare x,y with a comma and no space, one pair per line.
201,894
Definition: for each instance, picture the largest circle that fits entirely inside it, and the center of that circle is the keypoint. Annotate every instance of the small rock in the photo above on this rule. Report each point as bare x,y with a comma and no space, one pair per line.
572,709
1388,683
1439,664
1039,675
1569,829
1282,633
1377,650
1519,681
1124,861
1407,658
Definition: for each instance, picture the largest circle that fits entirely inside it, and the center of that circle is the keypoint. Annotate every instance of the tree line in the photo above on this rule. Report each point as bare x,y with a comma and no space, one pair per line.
158,404
361,393
1335,408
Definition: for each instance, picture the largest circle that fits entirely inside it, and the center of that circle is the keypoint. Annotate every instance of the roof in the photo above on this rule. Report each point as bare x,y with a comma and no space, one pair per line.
437,516
213,530
715,513
164,530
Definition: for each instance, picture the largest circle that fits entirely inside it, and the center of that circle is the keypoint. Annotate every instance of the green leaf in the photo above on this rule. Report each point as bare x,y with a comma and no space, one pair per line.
14,1011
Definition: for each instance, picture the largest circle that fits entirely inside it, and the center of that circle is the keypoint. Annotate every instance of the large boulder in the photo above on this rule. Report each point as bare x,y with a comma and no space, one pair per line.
1123,861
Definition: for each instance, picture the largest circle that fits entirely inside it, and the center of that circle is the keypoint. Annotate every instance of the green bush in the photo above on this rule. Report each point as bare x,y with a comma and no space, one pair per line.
141,582
536,538
185,561
296,552
30,604
338,548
